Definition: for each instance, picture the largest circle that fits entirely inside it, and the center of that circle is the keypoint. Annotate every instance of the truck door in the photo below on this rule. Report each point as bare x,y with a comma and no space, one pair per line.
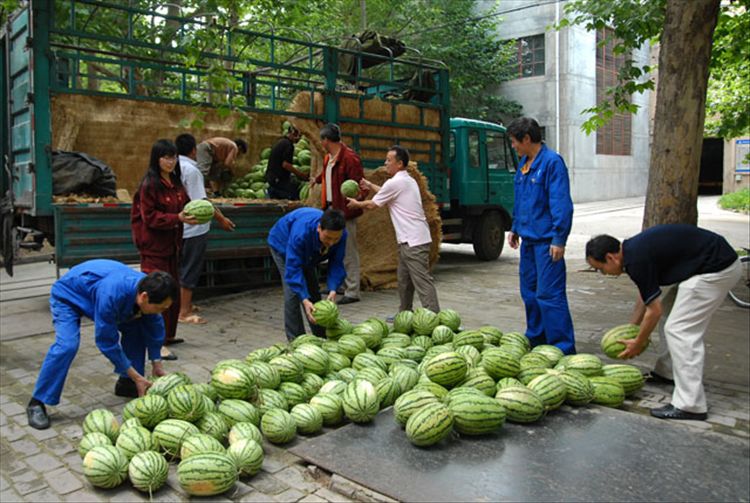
475,178
500,170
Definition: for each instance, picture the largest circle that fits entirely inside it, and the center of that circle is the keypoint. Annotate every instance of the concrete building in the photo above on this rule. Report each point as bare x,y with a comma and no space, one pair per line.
560,74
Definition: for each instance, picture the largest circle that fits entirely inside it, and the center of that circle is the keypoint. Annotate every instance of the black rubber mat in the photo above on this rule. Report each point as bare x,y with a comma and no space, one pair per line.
586,454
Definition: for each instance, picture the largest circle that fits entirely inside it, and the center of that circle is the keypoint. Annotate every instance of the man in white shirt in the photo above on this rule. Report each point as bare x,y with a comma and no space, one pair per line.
401,195
194,237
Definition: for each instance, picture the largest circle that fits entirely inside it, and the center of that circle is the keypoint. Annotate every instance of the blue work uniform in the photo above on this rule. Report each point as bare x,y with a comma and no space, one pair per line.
543,216
296,249
104,291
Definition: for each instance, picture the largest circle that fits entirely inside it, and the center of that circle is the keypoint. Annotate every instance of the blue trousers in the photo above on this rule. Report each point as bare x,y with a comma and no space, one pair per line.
67,322
548,318
293,325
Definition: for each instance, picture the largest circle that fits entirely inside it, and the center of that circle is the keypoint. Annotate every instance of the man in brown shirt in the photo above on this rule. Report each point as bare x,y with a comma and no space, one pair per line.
215,158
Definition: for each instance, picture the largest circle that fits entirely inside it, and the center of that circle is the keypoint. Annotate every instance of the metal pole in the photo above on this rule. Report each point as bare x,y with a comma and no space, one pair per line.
363,13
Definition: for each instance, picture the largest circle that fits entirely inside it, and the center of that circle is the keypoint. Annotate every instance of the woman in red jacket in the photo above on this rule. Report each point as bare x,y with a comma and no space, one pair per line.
157,218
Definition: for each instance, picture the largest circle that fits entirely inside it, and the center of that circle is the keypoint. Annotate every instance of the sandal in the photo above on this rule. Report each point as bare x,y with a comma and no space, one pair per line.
194,319
195,309
167,354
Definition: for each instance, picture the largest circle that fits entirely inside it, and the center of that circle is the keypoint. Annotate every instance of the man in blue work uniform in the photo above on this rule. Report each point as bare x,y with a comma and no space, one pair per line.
119,300
299,241
542,219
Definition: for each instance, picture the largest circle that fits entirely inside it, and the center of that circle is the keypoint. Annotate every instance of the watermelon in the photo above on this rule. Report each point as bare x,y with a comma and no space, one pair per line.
516,338
509,382
105,466
198,444
201,209
446,369
469,337
337,361
411,401
247,455
425,321
531,360
336,386
91,440
313,359
351,345
170,433
134,440
349,188
460,391
293,393
270,399
628,376
370,332
526,375
579,390
433,388
207,474
470,354
550,388
304,192
514,349
102,421
478,378
306,339
312,383
130,423
278,426
611,341
213,424
263,354
372,374
206,389
289,368
304,156
265,154
405,377
233,379
148,471
607,391
330,407
429,424
266,376
415,353
586,364
360,401
395,340
239,411
476,414
326,313
552,353
364,360
342,327
450,319
150,410
246,430
388,390
500,363
186,403
521,404
423,341
163,385
403,322
442,334
493,335
308,418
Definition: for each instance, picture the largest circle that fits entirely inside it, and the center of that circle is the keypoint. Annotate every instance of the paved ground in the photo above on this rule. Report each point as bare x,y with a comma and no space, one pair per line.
44,465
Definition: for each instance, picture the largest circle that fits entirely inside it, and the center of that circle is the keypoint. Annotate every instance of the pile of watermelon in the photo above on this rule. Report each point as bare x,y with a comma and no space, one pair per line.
438,378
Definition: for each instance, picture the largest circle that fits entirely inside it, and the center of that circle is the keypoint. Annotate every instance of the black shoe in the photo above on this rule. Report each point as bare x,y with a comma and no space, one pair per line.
347,300
37,415
176,340
126,387
655,378
672,412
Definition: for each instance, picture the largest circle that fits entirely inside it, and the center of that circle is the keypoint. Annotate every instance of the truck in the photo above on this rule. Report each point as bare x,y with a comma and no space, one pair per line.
98,77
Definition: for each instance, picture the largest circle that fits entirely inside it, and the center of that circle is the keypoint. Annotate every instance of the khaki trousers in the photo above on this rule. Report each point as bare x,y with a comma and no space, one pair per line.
414,274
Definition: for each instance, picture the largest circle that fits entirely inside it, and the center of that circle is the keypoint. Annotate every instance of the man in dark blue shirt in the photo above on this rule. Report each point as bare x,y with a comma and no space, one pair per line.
119,300
703,267
299,241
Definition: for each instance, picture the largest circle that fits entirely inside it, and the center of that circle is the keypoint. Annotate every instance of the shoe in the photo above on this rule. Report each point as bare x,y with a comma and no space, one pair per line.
655,378
38,417
672,412
126,387
340,291
167,355
390,319
176,340
347,300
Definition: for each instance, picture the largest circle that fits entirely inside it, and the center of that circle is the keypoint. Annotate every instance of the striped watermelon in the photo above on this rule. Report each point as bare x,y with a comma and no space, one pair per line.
330,406
233,379
470,354
500,363
308,418
91,440
526,375
130,423
550,388
579,390
148,471
388,390
364,360
395,340
245,430
492,334
423,341
102,421
341,327
338,361
404,362
460,391
208,405
450,319
311,383
531,360
247,455
307,339
150,410
360,401
326,313
476,414
239,411
264,354
384,328
607,391
372,374
198,444
270,399
469,337
163,385
521,404
425,321
293,393
479,379
371,332
442,334
411,401
509,382
207,474
446,369
105,466
586,364
289,368
403,322
331,347
213,424
278,426
611,341
516,338
351,345
313,359
515,349
429,424
206,389
405,377
553,353
201,209
134,440
628,376
433,388
170,433
391,354
336,386
347,375
266,376
185,403
414,352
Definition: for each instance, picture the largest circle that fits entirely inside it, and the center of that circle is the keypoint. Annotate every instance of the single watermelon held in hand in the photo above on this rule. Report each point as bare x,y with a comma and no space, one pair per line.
349,188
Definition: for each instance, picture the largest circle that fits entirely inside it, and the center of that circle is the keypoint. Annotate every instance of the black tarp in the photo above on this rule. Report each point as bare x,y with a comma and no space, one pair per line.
79,173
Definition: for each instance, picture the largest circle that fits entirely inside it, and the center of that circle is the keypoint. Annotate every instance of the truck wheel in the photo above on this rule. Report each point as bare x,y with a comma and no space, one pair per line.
488,237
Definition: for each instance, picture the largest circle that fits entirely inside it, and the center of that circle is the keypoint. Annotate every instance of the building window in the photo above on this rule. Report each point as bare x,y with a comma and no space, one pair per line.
529,58
474,149
615,137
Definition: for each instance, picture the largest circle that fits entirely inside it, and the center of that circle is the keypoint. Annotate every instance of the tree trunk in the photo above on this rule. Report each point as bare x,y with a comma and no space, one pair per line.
684,57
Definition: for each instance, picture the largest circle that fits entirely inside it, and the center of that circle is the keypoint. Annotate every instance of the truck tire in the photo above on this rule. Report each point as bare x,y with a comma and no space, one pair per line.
488,237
